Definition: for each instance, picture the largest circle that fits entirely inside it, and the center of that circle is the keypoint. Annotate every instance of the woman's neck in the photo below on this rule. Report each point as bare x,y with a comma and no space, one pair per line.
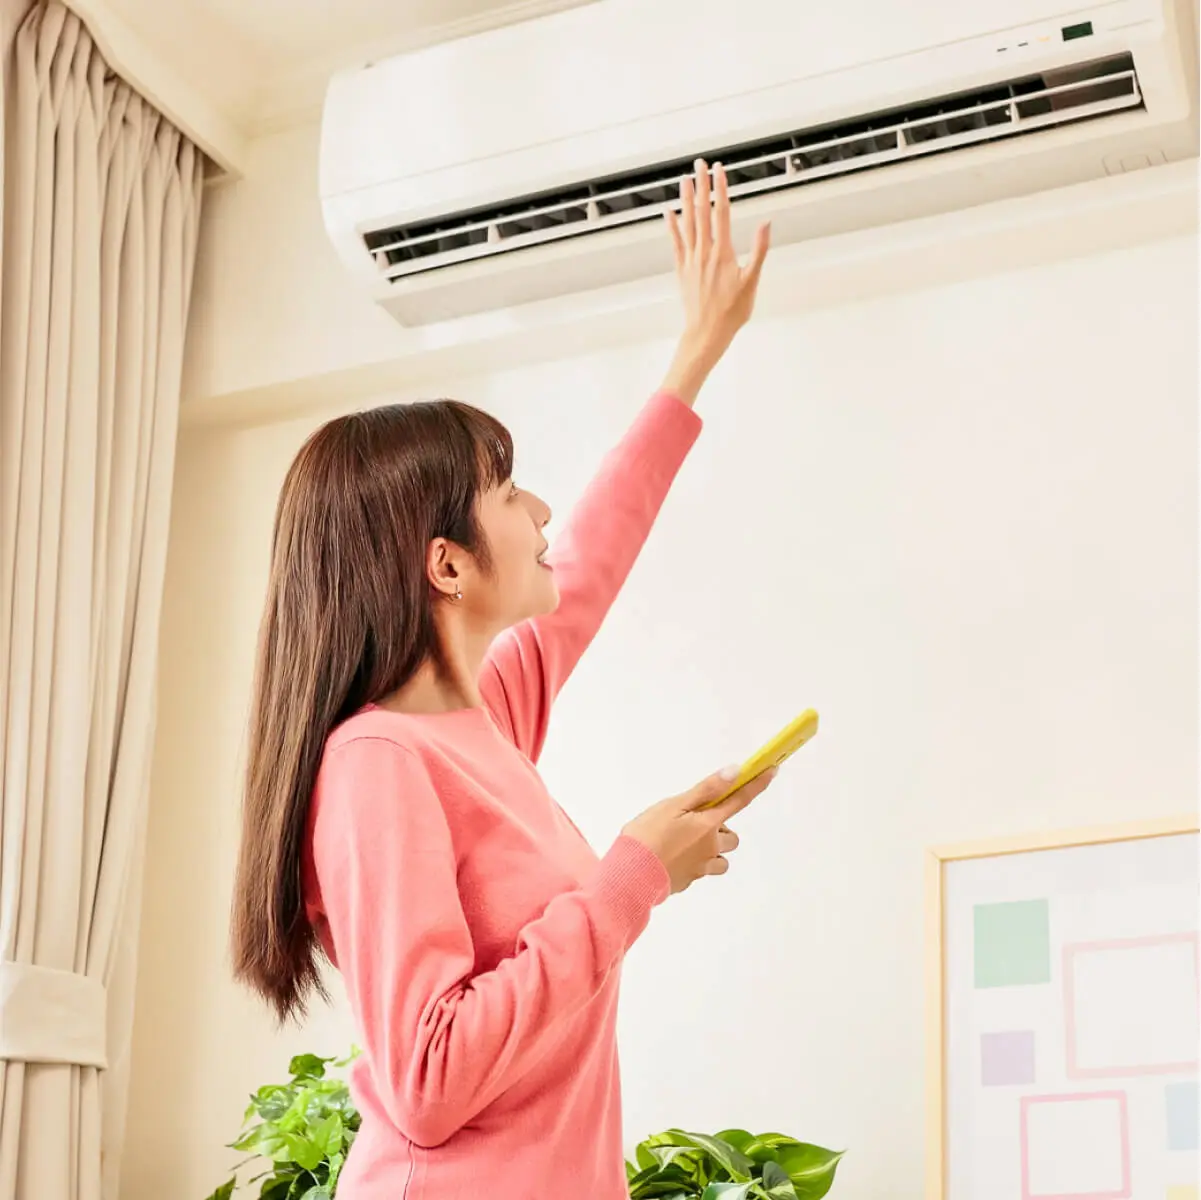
450,683
432,690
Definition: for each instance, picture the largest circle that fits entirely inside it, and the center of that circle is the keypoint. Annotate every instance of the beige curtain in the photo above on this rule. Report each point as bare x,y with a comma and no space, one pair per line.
101,203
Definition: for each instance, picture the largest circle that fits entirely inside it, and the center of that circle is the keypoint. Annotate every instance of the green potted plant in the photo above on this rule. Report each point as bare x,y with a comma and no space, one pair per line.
733,1165
304,1128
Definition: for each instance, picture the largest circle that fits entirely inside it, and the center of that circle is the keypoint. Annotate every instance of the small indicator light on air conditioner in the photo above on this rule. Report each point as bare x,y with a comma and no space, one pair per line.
1072,32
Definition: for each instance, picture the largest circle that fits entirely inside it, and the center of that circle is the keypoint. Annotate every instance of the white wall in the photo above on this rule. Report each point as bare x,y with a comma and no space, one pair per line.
962,523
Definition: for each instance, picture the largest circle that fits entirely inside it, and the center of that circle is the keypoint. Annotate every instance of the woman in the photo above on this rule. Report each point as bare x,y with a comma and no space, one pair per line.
413,642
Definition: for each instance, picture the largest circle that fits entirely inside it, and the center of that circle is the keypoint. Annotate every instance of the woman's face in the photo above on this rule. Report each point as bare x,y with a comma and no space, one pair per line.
519,585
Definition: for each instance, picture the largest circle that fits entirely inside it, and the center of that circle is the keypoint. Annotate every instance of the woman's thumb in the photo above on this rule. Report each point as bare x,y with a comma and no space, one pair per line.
709,791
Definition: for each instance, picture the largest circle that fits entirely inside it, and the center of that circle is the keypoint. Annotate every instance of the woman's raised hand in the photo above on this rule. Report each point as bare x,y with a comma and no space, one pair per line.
718,293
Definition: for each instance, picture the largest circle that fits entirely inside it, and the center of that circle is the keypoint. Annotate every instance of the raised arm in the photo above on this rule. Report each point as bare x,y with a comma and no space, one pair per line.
443,1042
592,557
528,664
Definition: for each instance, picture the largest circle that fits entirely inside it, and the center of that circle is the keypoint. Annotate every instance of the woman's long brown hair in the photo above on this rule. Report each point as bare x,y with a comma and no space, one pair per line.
348,620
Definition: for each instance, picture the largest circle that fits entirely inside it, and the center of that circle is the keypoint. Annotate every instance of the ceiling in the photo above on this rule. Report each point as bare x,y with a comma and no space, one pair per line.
231,70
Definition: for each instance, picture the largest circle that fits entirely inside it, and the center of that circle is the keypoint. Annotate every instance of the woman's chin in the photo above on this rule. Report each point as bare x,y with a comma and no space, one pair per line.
548,593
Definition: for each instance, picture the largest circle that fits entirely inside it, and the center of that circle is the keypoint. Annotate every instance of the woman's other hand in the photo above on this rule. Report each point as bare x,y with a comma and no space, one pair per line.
690,838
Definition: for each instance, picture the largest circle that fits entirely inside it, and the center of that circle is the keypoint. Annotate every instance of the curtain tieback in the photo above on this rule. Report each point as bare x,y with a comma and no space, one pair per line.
50,1016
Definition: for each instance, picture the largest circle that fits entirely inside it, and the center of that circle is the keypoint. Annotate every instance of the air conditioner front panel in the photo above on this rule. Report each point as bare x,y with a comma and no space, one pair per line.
606,80
501,192
944,184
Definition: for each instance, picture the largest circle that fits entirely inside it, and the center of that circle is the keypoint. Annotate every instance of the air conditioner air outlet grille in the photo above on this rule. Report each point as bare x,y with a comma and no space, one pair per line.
1017,107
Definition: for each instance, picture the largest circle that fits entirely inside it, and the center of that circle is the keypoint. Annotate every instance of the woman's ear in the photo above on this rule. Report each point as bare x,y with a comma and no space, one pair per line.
443,567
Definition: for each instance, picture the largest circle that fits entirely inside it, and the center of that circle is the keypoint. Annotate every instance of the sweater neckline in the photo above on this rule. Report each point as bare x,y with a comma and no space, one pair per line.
442,715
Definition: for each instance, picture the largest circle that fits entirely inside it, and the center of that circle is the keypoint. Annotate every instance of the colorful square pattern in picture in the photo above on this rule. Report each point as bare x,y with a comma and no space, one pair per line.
1182,1115
1131,1006
1076,1146
1012,944
1007,1059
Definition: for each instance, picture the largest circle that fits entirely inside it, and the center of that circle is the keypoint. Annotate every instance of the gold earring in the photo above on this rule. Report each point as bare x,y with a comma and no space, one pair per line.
458,594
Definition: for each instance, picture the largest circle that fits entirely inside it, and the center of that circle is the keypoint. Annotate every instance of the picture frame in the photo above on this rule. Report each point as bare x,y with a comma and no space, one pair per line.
937,859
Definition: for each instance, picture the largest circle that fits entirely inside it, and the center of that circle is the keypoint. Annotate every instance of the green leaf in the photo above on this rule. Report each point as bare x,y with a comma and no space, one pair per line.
301,1185
326,1134
686,1157
342,1063
336,1162
738,1138
307,1066
776,1183
317,1193
263,1140
727,1191
646,1160
658,1182
663,1148
804,1159
296,1119
248,1139
670,1137
300,1150
272,1101
735,1163
640,1180
763,1148
811,1168
225,1191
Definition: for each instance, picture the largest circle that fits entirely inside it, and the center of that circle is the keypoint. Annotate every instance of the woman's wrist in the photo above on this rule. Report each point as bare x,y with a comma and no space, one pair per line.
689,368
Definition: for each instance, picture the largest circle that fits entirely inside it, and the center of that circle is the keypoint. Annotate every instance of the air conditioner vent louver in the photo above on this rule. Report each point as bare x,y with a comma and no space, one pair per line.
1011,109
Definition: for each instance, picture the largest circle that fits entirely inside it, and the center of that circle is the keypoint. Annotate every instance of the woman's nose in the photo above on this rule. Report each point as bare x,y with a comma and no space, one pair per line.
542,512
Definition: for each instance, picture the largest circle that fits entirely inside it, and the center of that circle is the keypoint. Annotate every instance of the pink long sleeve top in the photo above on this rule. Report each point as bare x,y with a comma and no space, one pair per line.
479,936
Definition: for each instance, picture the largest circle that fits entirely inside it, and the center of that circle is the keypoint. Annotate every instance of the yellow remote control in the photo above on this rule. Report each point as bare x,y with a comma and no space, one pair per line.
786,743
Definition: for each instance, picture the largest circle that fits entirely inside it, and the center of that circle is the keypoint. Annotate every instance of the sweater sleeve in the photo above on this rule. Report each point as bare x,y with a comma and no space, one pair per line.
527,665
442,1043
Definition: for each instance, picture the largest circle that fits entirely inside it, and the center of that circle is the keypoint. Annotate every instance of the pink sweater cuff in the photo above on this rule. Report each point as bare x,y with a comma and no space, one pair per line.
678,419
632,881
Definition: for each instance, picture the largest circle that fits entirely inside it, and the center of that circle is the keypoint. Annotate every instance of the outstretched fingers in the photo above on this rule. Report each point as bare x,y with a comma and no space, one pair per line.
722,240
754,267
687,221
704,208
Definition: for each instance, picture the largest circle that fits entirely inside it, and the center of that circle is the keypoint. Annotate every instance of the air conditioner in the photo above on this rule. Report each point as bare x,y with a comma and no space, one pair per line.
532,161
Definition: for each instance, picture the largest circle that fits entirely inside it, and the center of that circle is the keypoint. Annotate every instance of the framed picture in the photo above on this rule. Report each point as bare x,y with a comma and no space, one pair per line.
1063,1015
